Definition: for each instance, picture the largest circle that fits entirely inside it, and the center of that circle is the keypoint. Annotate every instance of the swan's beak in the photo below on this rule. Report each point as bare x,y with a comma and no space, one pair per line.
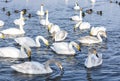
47,43
2,36
60,66
78,47
49,27
29,53
91,33
105,35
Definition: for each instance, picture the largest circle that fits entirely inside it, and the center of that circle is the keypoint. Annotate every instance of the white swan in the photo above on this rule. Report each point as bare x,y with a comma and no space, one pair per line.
82,25
45,21
93,59
65,48
14,31
13,52
1,23
30,42
60,35
91,39
95,30
41,11
20,21
76,17
76,7
53,28
33,67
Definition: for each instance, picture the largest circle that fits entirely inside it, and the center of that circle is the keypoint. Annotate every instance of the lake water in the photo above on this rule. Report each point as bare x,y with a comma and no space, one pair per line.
60,12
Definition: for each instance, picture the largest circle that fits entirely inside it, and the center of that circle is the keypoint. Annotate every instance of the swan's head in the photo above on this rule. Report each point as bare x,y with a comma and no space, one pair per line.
51,61
28,50
49,26
76,45
94,51
76,3
2,35
46,43
103,33
81,9
42,4
22,12
46,12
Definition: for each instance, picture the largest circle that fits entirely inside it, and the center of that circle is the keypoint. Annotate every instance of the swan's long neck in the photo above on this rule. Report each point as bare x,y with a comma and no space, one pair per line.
47,64
81,15
21,28
99,37
38,40
46,18
41,8
21,16
22,50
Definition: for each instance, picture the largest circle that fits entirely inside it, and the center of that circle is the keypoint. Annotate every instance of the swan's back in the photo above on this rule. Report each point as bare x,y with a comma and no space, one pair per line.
54,28
61,35
12,52
88,39
62,48
25,40
84,25
31,68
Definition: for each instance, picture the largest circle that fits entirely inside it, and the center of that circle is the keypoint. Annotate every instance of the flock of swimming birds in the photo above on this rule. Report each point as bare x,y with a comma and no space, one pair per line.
59,46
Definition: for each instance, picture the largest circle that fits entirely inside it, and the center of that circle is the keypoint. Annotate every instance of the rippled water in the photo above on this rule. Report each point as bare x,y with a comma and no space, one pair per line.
60,12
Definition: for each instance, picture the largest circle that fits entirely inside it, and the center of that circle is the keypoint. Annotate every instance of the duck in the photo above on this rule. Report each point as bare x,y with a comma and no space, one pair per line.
76,17
65,48
76,7
95,30
41,11
30,42
8,13
91,39
89,11
34,67
99,12
3,9
45,21
13,31
20,21
13,52
60,35
94,59
1,23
